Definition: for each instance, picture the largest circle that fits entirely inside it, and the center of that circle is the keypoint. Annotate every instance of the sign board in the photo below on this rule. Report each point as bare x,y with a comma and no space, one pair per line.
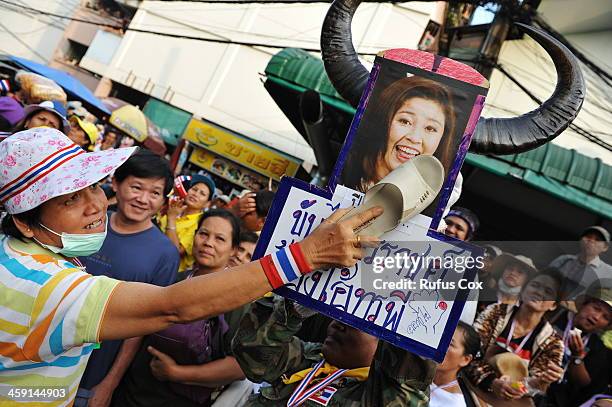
228,170
409,291
248,153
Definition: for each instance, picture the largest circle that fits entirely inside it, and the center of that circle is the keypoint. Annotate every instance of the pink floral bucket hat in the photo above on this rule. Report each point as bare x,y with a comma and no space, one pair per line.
39,164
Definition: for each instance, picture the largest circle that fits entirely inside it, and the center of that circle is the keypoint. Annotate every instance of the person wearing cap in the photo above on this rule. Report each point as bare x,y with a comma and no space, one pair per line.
52,312
461,223
523,331
49,113
511,273
491,252
587,361
181,221
83,133
220,202
586,268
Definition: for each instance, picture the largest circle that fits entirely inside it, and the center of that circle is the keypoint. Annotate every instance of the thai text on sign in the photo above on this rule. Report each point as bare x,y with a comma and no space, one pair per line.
246,152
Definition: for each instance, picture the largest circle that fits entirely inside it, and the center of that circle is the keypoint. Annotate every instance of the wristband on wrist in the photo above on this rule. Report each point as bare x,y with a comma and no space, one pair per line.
285,265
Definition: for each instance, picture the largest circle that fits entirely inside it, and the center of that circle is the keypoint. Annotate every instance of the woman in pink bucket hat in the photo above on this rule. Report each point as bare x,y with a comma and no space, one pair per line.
52,312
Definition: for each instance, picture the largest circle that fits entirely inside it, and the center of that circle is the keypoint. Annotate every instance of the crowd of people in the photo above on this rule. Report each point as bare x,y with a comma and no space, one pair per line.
176,312
18,111
534,325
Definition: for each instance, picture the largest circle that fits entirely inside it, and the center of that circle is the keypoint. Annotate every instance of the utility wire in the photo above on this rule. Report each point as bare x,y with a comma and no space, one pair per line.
586,134
603,74
170,35
25,44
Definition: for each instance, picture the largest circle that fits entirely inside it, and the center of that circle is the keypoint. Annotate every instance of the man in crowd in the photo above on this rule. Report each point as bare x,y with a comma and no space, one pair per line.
357,369
253,209
134,250
461,223
587,361
585,269
246,247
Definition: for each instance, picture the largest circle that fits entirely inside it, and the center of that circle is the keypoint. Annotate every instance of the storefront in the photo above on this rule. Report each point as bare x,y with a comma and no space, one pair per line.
242,162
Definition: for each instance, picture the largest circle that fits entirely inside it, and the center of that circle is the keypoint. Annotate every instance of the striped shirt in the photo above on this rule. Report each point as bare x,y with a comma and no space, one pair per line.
50,316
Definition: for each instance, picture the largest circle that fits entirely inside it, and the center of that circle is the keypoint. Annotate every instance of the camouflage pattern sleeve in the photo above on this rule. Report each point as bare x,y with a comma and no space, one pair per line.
398,378
265,345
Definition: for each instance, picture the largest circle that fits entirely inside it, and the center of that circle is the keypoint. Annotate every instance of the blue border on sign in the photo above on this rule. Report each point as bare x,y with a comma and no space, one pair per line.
437,354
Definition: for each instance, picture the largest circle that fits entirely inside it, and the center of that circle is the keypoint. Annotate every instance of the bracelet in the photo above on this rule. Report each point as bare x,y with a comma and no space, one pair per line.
285,265
169,228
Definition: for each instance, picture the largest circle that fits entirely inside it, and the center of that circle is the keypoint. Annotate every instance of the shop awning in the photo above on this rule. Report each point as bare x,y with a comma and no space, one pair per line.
73,87
566,174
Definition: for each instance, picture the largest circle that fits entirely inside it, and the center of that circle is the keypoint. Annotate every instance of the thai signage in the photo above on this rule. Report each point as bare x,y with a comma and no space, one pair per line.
248,153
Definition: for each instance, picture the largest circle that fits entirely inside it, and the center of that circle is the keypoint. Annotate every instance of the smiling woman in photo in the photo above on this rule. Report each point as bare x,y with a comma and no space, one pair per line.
411,117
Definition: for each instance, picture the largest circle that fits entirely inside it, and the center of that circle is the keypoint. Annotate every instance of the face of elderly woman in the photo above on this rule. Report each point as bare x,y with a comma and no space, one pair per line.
515,275
80,212
43,118
415,129
212,244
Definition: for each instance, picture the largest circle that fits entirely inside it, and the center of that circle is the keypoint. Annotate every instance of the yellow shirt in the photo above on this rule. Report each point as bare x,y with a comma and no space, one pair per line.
186,227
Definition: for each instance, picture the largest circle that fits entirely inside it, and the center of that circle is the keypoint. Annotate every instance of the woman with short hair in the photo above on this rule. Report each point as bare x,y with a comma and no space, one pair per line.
517,340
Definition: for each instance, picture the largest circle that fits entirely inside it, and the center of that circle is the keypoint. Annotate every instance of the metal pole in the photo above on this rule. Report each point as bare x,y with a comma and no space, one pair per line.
491,46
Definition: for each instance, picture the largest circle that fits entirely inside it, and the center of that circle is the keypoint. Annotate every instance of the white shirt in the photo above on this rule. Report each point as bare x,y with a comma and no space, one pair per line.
443,398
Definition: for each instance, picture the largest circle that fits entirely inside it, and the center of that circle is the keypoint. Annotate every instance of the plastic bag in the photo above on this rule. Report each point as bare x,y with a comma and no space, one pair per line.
37,88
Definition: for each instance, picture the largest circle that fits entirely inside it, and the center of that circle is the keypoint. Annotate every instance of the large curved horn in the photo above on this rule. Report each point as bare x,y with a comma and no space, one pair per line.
531,130
492,135
342,65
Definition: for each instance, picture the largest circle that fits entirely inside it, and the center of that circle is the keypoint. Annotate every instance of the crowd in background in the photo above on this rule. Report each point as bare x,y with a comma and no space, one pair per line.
20,110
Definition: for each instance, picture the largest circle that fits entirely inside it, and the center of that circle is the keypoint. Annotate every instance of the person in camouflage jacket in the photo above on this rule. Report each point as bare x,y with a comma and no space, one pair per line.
267,350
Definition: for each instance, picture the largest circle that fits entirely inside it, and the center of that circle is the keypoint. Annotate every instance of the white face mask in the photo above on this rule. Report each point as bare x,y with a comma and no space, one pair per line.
75,244
506,289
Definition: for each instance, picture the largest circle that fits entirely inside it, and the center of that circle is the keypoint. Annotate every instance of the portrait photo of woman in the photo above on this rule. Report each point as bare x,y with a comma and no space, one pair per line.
409,117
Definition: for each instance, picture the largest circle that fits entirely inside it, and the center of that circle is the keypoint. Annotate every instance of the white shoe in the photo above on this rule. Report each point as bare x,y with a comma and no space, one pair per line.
403,193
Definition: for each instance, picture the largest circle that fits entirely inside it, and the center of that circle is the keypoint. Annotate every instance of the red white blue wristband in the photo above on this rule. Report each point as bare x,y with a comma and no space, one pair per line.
285,265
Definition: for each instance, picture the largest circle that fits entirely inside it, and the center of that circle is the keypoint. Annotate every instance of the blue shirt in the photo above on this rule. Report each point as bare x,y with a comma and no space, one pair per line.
146,257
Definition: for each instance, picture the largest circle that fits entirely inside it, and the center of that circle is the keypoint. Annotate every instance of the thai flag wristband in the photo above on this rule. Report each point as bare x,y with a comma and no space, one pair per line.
285,265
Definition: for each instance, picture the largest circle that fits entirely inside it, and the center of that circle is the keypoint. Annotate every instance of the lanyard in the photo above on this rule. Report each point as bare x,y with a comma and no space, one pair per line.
302,393
509,340
445,386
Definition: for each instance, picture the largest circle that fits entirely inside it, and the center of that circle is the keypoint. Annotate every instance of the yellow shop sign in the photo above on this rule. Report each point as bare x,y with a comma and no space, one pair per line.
241,150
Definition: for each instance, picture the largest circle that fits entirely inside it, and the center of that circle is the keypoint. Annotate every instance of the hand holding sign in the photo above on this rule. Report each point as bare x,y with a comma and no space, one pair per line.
334,242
